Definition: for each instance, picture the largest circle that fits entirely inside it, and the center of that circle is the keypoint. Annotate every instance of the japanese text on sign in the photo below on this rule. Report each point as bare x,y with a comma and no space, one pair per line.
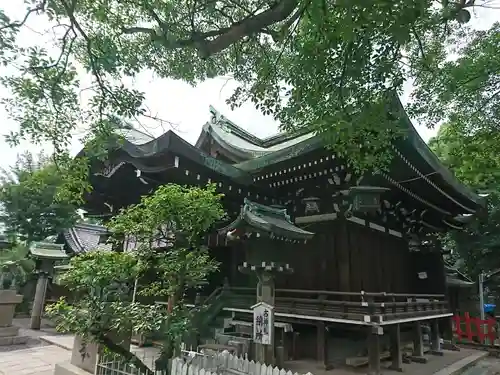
263,327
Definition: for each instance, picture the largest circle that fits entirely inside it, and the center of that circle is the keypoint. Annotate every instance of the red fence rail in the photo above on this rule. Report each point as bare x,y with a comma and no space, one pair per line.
467,329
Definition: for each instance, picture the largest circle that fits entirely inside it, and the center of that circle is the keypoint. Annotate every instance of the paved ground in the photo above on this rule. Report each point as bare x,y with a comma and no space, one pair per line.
488,366
37,358
33,361
55,348
435,364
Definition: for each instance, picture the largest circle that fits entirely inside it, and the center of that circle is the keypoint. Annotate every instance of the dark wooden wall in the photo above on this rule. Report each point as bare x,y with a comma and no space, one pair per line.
432,264
342,256
346,256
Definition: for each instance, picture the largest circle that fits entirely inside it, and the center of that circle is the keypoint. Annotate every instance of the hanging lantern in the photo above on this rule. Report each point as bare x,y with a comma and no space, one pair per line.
366,198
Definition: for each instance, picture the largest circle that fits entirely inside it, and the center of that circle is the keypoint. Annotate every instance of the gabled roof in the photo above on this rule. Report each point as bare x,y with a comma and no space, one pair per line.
83,238
271,221
47,250
140,155
240,144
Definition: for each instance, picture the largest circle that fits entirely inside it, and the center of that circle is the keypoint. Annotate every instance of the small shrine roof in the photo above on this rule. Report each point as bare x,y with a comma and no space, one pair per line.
47,250
275,222
83,238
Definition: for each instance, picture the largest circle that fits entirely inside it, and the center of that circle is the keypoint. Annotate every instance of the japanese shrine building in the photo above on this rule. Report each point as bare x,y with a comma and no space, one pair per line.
361,248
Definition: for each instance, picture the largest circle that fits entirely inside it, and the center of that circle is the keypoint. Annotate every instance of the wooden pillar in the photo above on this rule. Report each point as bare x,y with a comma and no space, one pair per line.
265,293
396,352
435,338
418,344
374,334
322,345
39,300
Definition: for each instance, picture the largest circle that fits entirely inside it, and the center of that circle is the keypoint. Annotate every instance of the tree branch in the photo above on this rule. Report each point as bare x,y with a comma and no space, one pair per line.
252,25
224,37
16,25
127,355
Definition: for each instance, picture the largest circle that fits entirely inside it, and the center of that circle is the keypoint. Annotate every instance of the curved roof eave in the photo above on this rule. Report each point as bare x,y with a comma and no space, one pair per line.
240,142
203,135
171,142
433,161
413,138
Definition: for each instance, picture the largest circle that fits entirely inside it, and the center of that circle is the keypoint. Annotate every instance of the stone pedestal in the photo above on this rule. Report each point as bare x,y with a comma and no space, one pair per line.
9,334
436,339
84,357
418,345
8,301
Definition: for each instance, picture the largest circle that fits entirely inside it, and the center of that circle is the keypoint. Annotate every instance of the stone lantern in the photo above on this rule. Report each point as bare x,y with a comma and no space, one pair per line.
9,299
259,228
45,255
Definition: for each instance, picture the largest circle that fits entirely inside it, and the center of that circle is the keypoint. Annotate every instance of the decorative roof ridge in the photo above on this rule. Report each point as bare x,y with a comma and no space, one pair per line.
77,237
90,226
73,240
259,209
241,133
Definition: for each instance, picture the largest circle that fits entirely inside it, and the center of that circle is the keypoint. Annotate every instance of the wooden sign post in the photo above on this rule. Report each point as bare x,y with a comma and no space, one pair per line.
263,331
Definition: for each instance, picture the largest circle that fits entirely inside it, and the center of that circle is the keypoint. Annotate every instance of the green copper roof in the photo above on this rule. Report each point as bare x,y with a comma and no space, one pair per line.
47,250
415,142
274,222
414,158
301,146
412,143
240,143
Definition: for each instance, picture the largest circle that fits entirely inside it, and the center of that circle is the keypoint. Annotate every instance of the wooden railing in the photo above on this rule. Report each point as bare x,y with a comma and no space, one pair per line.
378,307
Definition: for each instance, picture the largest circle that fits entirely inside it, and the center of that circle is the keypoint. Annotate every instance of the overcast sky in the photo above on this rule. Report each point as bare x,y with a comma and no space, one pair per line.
176,101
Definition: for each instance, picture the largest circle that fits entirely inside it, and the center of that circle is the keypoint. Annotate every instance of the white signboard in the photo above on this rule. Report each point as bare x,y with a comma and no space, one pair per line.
263,323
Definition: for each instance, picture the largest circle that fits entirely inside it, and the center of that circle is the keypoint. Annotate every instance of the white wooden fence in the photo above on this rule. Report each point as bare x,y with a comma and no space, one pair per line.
223,364
196,364
115,365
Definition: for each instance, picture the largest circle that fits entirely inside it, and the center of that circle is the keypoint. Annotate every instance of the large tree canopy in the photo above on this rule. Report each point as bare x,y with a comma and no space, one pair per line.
319,64
474,158
39,198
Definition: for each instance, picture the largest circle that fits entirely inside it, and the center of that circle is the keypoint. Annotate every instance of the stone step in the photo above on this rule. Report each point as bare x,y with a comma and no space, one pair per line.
9,331
13,340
